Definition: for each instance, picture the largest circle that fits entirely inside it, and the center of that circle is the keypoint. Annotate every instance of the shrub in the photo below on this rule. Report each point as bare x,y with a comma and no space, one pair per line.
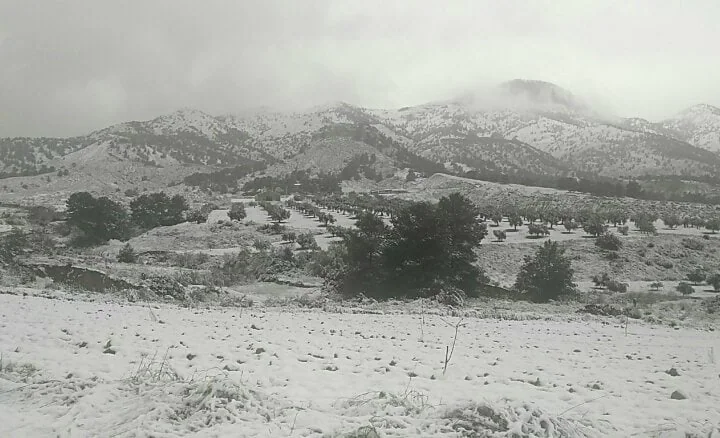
197,215
132,192
624,230
189,260
164,286
693,244
12,245
261,244
616,286
42,215
500,235
547,275
609,241
290,236
685,288
601,280
127,254
657,285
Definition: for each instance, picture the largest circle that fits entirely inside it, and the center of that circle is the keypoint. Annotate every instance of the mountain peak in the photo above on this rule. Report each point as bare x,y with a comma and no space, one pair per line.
702,108
525,95
542,93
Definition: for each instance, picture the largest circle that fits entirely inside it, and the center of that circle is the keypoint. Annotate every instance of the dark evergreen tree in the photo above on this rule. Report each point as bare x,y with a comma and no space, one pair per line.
546,275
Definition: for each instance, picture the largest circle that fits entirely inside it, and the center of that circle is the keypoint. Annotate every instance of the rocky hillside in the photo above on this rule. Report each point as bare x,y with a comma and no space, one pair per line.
519,128
698,125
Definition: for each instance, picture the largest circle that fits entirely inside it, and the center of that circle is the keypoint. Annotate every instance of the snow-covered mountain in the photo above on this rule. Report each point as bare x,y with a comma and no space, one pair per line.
519,128
698,125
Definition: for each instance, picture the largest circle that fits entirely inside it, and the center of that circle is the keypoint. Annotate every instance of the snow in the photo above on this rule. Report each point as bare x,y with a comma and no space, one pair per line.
283,371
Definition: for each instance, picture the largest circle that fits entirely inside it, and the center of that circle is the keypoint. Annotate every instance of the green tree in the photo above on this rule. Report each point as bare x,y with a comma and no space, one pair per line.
671,220
697,276
279,214
237,211
99,219
12,245
158,209
538,230
713,225
685,288
594,225
515,220
546,275
714,281
307,241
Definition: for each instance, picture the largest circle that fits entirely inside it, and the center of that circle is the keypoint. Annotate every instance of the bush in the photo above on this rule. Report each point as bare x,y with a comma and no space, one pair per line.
685,288
12,245
657,285
623,230
189,260
601,280
272,229
609,241
127,254
261,244
547,275
290,236
164,286
693,244
500,235
616,286
42,215
197,215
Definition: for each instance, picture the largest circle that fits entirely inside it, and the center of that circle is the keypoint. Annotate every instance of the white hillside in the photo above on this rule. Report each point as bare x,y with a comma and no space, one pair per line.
698,125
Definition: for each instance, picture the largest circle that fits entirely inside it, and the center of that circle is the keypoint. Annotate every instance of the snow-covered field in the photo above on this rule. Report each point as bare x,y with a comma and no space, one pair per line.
80,369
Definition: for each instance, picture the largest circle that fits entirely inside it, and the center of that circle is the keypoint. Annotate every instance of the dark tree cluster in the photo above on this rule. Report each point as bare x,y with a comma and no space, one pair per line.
101,219
224,180
98,219
158,209
428,248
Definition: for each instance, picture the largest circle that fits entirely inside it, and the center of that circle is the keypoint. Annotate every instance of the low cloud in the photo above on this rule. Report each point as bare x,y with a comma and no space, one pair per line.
70,67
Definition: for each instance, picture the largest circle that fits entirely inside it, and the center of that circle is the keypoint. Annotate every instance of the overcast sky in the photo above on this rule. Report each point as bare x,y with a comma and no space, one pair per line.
70,67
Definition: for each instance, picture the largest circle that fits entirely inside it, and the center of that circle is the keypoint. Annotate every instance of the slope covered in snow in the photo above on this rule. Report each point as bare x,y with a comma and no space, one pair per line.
111,369
698,125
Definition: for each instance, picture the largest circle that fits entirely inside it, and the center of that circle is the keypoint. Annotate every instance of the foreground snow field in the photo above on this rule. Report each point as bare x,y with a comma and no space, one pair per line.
81,369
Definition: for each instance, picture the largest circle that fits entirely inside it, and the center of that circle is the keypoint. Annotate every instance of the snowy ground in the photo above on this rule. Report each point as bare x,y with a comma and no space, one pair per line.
78,369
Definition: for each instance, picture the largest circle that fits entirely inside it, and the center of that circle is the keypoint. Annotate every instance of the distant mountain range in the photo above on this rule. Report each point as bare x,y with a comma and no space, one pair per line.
522,127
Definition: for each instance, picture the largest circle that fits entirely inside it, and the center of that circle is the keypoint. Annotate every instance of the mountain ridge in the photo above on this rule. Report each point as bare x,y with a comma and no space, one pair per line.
552,133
